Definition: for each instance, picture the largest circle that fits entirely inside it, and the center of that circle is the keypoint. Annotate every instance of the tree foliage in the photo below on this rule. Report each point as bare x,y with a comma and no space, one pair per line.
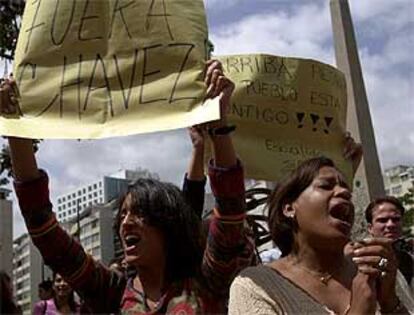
10,16
408,201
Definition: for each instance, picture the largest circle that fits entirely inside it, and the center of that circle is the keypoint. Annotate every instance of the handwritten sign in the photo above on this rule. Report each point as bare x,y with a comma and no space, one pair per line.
93,69
286,110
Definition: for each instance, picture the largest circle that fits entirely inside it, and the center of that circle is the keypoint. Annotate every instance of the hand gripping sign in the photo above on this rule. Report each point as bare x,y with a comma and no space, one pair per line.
286,110
94,69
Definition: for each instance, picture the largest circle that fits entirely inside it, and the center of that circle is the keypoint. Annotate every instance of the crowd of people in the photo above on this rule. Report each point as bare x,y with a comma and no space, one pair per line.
185,263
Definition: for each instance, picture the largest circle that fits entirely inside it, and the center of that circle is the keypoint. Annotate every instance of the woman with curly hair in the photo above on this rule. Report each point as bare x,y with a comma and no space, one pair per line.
158,231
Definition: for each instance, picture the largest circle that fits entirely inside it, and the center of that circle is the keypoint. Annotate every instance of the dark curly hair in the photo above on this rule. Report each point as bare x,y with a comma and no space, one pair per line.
282,228
162,205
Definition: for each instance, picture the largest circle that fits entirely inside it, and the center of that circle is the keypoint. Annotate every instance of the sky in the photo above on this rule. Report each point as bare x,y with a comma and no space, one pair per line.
295,28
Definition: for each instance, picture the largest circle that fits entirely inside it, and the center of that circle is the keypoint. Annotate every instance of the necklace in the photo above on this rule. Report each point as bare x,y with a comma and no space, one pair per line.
322,277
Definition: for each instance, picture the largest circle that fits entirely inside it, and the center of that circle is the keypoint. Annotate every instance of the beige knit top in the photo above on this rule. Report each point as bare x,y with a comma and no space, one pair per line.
262,290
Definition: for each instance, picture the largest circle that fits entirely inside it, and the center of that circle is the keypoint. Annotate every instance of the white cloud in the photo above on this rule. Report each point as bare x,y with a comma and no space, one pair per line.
301,33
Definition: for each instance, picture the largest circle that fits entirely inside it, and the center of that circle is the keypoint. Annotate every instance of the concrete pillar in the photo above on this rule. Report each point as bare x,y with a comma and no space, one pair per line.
368,182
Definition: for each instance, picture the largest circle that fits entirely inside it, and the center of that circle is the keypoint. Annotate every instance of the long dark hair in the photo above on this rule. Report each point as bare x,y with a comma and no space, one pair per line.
162,205
282,228
71,299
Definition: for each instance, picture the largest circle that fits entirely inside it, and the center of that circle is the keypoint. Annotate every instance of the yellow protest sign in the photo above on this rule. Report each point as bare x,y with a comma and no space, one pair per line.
286,110
93,69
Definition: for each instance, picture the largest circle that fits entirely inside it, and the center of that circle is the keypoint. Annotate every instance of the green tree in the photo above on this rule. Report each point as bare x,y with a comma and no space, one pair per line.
408,201
10,16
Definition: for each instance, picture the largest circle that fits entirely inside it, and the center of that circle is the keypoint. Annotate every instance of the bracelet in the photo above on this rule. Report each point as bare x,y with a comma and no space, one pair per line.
221,131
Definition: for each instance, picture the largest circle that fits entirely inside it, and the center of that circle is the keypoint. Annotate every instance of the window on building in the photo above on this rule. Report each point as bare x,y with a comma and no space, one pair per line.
84,190
397,190
100,184
95,194
84,198
394,179
95,186
404,177
89,188
79,193
69,197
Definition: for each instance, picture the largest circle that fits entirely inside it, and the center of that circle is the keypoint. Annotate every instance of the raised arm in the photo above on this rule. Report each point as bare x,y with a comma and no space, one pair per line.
352,151
224,154
229,248
195,180
101,288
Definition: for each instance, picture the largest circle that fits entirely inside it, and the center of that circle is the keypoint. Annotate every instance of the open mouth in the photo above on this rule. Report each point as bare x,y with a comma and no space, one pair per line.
343,211
132,240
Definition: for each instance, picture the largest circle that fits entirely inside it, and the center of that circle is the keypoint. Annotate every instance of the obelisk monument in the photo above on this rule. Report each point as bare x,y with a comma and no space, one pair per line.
368,182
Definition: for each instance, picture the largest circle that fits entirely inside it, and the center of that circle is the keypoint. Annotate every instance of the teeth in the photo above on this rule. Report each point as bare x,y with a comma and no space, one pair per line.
131,240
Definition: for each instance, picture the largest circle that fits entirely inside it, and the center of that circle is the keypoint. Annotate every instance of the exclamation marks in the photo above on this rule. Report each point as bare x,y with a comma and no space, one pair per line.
315,119
328,122
300,117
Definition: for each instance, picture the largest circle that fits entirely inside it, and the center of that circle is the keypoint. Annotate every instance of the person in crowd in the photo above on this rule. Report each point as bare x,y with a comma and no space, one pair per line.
45,290
7,303
158,231
384,217
310,218
195,179
61,302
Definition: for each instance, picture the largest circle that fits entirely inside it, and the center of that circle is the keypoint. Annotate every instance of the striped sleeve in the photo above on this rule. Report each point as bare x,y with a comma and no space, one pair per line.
230,248
100,287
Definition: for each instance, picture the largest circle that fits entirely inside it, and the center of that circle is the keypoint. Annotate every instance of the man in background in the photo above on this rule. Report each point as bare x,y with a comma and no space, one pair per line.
384,217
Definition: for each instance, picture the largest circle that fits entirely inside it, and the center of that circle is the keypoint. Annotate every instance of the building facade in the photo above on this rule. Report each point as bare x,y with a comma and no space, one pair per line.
28,271
398,180
6,232
102,191
94,229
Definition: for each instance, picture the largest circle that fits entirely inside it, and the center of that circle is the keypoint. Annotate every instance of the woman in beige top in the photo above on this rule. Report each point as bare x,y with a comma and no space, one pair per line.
310,218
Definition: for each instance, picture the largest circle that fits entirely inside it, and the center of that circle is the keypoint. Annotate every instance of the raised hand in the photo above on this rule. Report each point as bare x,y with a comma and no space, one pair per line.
195,169
352,151
8,96
21,150
375,257
219,85
197,135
